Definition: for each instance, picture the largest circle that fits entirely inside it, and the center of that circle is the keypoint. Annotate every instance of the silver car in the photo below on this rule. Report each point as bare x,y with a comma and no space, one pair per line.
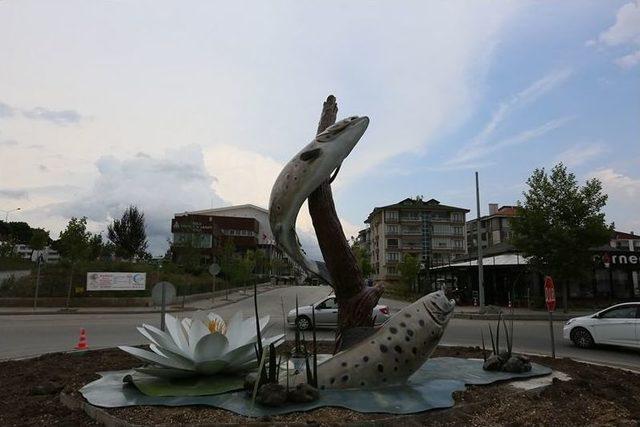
326,314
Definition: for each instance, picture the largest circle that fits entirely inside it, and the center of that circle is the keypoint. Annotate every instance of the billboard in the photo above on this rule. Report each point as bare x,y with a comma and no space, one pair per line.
109,281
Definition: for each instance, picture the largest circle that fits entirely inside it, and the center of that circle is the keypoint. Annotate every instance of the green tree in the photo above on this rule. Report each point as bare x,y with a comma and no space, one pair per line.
363,259
409,268
39,239
74,246
187,248
557,224
128,234
229,261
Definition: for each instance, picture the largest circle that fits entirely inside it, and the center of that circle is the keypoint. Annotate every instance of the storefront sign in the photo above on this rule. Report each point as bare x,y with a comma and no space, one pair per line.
618,259
109,281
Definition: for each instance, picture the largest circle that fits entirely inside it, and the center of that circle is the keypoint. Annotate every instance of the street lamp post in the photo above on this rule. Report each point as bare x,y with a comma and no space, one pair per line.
6,213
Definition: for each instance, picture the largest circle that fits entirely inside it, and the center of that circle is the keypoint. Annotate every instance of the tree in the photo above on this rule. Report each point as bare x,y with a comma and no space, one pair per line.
39,239
409,268
557,224
363,259
128,234
187,248
74,246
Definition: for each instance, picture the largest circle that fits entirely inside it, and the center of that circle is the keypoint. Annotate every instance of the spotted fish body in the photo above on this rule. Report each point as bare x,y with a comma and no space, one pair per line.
397,350
301,176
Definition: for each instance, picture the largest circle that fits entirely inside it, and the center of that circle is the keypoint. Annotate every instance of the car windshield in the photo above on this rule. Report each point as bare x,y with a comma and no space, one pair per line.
327,304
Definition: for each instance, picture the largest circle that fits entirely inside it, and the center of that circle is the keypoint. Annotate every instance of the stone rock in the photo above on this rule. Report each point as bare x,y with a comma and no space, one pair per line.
250,382
303,393
516,365
493,363
271,395
45,388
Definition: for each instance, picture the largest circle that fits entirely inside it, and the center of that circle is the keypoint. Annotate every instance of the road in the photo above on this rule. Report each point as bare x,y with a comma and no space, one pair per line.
30,335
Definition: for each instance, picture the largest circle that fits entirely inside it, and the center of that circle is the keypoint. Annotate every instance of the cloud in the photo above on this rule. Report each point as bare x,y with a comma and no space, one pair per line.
43,168
6,110
624,32
580,154
13,194
480,145
160,186
624,195
8,143
61,117
630,60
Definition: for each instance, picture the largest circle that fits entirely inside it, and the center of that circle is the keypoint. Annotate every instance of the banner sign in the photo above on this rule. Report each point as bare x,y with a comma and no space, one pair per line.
618,259
109,281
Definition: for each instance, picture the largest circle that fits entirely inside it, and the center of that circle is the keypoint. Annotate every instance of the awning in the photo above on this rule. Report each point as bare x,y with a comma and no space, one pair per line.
488,261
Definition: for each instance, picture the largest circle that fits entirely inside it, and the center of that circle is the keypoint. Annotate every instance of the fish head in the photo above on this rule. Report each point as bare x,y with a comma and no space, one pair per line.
338,140
439,307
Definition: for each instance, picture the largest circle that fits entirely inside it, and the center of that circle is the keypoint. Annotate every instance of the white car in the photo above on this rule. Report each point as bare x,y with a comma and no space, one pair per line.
326,314
616,325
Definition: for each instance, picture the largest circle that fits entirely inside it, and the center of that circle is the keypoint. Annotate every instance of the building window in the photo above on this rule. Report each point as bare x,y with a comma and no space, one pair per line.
391,215
392,229
392,270
441,229
392,243
457,217
457,231
392,256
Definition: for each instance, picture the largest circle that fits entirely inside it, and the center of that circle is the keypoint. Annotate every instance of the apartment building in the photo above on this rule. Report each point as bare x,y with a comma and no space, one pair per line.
246,225
432,232
495,228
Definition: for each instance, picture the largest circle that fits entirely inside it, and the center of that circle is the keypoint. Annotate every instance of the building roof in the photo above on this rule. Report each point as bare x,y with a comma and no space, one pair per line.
623,235
503,212
409,203
222,210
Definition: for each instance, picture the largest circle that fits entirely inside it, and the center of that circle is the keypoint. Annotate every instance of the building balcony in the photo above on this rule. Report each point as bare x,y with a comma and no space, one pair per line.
411,219
412,233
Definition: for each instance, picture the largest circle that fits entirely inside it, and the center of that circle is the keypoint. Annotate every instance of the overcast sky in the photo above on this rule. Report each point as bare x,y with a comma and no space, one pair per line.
184,105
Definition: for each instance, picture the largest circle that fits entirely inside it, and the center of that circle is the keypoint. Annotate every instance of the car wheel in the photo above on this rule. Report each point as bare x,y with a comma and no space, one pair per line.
303,323
582,338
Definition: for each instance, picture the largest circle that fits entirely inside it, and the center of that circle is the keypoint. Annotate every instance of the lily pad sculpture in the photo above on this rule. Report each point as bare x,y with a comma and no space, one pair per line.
201,345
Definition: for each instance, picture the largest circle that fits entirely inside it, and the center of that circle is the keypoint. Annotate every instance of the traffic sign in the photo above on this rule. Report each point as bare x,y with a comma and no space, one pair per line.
159,297
214,269
549,294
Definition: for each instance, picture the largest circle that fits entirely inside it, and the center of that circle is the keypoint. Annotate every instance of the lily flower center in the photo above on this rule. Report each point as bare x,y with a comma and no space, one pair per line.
216,325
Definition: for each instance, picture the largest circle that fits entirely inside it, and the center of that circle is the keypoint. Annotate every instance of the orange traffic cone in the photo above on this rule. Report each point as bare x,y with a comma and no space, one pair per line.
82,341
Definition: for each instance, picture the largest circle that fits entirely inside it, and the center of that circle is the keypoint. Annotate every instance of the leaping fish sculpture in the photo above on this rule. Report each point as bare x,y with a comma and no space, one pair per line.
301,176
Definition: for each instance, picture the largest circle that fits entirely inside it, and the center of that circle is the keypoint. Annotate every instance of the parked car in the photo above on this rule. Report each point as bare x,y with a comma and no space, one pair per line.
616,325
326,314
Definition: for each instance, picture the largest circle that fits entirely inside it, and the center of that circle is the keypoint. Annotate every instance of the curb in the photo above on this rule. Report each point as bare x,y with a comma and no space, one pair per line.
168,310
508,316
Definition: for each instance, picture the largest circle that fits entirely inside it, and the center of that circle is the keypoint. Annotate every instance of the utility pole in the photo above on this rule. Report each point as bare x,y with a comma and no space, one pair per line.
480,270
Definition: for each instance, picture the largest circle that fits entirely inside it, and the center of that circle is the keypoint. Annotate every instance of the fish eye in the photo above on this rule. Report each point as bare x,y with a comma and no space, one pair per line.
311,155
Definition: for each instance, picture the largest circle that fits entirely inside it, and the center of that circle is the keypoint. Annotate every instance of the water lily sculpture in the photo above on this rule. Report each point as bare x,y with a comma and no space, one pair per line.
201,345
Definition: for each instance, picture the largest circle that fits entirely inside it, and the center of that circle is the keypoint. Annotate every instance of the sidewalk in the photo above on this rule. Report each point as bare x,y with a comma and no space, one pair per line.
470,312
204,303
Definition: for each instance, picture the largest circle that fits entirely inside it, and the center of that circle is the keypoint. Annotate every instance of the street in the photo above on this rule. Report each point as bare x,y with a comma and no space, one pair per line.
31,335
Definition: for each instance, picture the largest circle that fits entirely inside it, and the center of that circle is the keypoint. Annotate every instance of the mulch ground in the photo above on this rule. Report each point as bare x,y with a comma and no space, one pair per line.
596,395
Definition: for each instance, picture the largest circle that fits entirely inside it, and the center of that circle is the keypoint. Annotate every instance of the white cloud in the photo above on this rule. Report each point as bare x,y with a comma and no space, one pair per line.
624,32
481,144
580,154
626,29
159,186
624,195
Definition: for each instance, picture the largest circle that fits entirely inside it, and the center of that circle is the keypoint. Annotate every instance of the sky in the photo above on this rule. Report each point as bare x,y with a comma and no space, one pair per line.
186,105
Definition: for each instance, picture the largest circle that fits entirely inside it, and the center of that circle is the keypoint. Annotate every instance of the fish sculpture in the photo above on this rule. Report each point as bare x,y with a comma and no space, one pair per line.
393,353
301,176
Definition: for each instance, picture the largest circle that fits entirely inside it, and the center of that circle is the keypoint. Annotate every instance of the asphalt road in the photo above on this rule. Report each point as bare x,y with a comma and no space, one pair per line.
30,335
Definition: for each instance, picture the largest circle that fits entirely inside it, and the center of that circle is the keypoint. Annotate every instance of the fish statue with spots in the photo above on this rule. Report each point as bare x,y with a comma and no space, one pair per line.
394,352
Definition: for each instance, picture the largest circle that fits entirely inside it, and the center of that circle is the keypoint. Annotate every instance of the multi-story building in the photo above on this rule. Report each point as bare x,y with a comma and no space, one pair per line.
428,230
625,241
48,254
246,225
495,228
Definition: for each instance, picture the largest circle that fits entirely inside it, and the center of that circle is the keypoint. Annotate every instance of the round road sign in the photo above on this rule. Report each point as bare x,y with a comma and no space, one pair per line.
169,293
214,269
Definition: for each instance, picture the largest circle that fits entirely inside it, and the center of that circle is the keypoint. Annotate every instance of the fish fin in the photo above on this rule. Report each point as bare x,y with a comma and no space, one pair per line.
335,173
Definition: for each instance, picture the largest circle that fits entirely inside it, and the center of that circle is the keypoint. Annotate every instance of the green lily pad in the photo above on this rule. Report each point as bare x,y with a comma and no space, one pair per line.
192,386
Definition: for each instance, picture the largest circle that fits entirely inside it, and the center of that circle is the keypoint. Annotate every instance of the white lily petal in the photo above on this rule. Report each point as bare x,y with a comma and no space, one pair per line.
210,347
241,354
171,355
234,329
147,335
148,356
197,331
211,367
162,339
176,332
186,323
